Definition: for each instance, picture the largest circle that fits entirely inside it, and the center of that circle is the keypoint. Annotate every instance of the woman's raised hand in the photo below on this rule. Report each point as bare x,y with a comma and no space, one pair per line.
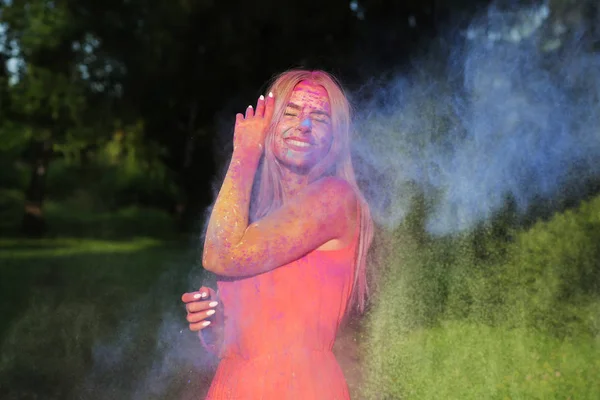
251,128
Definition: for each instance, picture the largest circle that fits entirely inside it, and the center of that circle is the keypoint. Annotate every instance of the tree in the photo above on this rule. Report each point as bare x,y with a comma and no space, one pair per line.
53,102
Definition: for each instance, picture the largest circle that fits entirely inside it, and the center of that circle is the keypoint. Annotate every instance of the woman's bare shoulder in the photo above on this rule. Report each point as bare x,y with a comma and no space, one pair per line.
335,185
336,190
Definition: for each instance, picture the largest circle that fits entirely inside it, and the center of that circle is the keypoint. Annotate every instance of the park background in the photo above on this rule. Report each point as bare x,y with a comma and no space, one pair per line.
477,144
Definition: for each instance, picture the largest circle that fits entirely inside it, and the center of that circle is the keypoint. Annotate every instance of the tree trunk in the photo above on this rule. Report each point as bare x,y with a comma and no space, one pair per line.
33,223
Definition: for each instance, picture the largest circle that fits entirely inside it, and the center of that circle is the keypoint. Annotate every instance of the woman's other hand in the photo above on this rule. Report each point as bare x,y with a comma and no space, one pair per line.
200,306
251,128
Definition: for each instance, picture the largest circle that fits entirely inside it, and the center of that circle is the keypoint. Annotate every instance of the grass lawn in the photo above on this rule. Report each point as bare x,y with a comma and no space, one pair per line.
521,323
98,319
472,361
93,312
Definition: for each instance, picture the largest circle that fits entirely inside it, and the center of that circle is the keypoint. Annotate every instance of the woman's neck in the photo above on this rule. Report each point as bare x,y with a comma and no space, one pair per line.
292,182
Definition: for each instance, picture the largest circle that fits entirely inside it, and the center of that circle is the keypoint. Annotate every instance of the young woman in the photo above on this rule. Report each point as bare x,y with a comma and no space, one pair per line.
290,255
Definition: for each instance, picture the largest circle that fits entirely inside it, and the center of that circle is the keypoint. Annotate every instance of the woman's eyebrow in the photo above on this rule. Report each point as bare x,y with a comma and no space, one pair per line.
319,112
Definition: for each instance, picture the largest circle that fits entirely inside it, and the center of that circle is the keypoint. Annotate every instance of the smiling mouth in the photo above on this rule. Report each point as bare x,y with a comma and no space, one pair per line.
298,143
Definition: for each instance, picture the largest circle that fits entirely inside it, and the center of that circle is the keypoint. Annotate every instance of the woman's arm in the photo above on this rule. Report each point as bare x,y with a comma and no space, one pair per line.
229,217
323,211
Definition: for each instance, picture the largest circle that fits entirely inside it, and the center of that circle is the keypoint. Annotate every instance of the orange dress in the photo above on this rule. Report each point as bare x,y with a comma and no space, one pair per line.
280,327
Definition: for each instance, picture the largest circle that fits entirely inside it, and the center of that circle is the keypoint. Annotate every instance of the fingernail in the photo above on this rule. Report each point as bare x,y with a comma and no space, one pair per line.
270,94
198,295
213,304
204,294
261,97
210,312
250,106
206,323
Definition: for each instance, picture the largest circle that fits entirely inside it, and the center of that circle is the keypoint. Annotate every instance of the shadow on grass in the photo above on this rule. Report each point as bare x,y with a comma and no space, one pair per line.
98,319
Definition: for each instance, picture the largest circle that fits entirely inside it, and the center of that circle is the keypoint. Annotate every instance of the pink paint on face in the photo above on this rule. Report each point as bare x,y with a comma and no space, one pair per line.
303,136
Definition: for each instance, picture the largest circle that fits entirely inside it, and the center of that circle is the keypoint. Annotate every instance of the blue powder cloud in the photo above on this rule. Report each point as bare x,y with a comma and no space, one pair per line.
507,114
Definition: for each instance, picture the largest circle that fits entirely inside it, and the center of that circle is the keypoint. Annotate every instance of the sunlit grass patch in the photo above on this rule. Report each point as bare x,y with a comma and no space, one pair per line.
57,247
471,361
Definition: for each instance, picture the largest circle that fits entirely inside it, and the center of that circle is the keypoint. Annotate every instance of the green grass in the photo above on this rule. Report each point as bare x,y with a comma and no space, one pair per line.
470,361
93,311
97,318
514,315
13,249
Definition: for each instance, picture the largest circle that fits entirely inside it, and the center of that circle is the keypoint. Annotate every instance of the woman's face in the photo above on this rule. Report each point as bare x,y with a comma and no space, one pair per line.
304,134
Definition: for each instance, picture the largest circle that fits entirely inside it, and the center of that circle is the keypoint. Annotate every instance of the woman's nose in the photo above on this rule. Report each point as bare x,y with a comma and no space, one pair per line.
306,124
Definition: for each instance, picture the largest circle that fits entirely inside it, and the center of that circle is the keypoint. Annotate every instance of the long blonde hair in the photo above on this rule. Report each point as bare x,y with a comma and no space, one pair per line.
269,193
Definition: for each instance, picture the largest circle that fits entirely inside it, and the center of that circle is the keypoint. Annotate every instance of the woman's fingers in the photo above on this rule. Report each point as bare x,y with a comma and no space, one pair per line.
195,296
199,306
208,292
199,326
204,293
199,316
239,117
264,109
249,112
260,107
269,107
